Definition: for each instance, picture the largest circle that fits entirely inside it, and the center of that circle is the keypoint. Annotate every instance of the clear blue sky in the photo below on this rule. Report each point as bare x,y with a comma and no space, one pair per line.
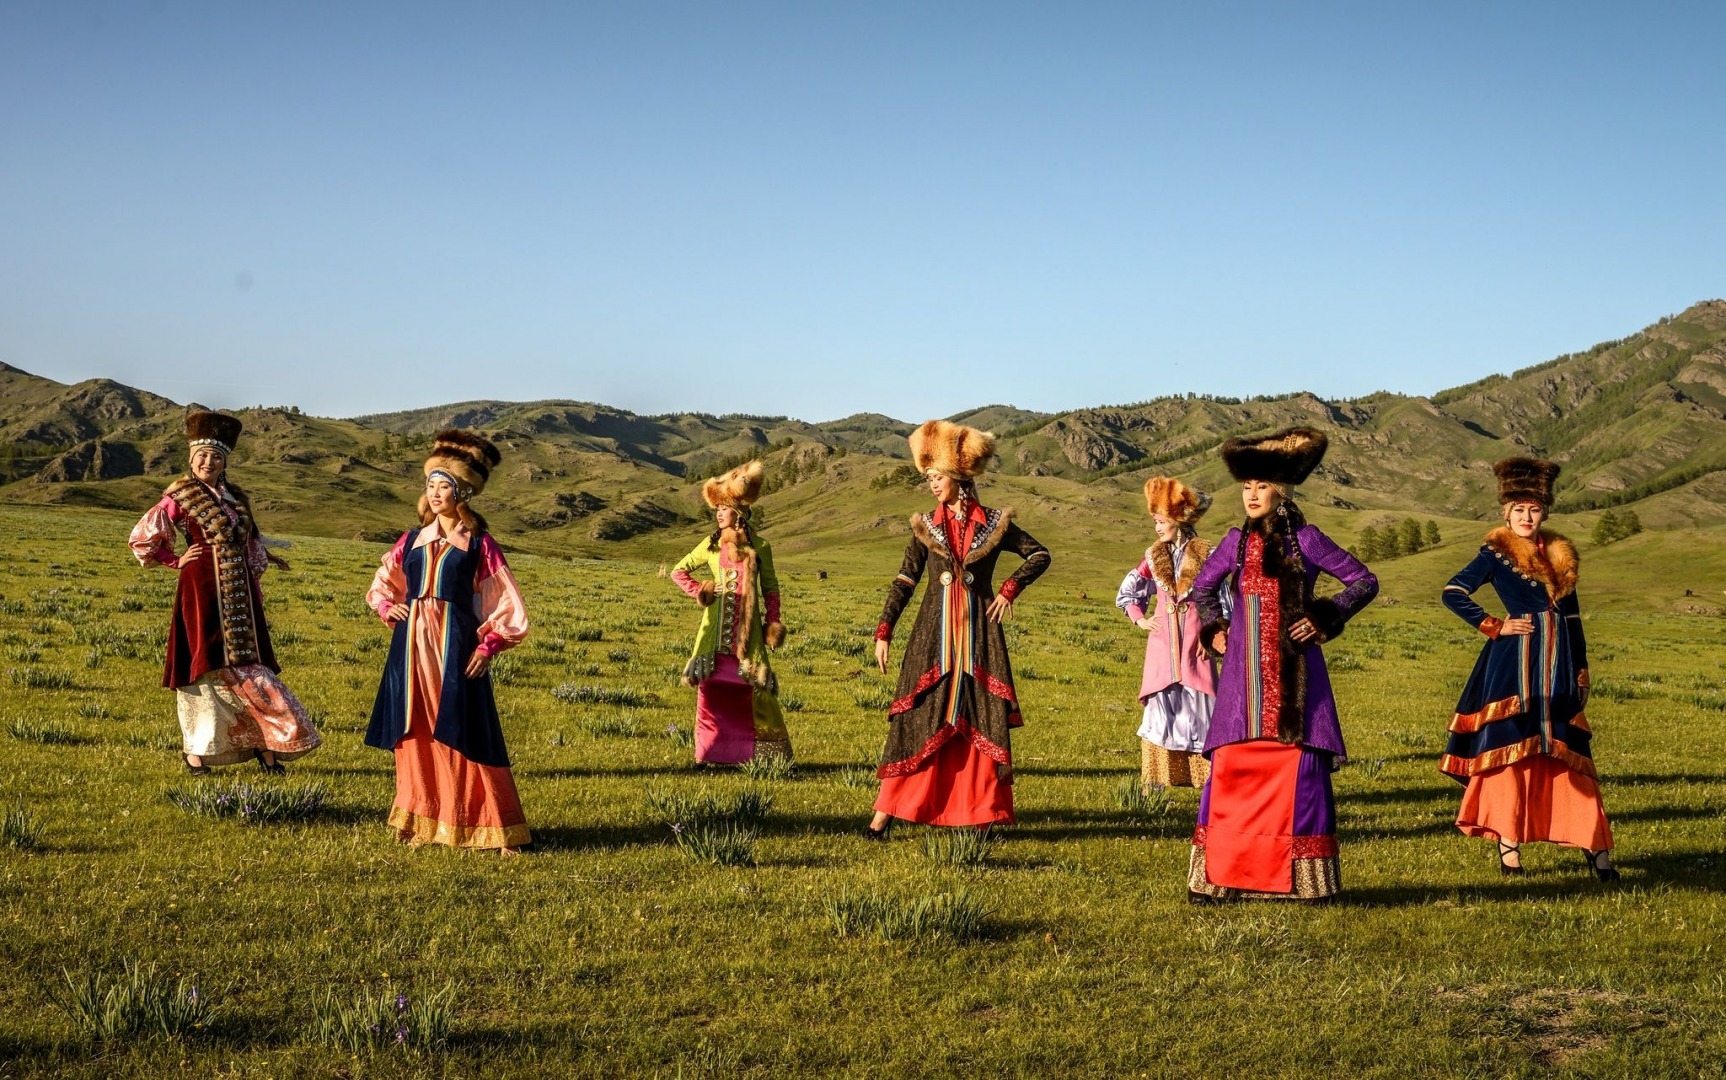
818,209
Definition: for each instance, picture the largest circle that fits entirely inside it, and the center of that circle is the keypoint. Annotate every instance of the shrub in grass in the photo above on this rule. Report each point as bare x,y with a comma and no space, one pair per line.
964,848
769,767
857,776
722,843
29,653
699,808
139,1003
614,726
1100,669
955,916
163,740
1702,700
19,829
628,696
1342,661
250,804
389,1020
1413,740
48,732
1030,673
131,603
589,633
35,678
873,698
1135,799
505,670
1369,768
790,703
618,656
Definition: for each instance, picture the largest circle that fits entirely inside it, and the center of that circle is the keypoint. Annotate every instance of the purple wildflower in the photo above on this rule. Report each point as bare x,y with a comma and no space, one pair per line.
401,1003
401,1035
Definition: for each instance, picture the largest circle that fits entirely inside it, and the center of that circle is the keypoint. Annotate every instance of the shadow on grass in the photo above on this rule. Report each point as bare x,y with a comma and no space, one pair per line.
597,837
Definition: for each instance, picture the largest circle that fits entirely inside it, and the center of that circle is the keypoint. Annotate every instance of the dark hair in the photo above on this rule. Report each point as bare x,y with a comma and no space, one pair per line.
742,523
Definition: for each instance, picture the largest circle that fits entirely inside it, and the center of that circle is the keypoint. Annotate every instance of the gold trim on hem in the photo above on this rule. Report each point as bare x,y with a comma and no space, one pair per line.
1313,879
1468,723
1451,765
416,830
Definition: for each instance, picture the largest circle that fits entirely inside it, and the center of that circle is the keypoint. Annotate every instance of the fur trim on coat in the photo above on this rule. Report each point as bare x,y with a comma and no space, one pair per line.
1557,568
951,449
1161,558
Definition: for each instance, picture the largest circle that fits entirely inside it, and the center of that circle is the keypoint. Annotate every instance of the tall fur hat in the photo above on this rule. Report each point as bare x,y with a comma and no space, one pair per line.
1167,497
465,455
1285,458
206,428
1523,479
951,449
738,488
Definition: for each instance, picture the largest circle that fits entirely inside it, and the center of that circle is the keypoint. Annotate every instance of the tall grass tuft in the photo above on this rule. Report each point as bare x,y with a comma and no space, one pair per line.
35,678
680,735
962,848
628,696
47,732
251,805
722,843
624,725
388,1020
694,809
769,767
20,829
139,1003
1144,804
955,916
873,698
856,776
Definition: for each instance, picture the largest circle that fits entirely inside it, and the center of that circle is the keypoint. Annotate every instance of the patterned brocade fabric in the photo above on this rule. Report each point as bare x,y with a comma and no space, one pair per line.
1314,879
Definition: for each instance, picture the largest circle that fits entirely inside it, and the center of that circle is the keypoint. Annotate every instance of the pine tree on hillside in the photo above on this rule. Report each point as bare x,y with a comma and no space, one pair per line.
1368,547
1629,524
1607,529
1429,533
1408,536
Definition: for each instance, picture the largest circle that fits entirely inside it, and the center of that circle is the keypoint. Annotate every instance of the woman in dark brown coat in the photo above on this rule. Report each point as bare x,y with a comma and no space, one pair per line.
948,759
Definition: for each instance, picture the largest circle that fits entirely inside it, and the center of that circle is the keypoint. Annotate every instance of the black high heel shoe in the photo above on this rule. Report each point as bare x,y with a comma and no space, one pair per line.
1505,868
274,768
870,832
195,770
1604,873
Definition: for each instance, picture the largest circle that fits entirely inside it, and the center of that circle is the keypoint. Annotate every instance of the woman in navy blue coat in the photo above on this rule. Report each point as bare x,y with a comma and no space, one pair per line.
1520,739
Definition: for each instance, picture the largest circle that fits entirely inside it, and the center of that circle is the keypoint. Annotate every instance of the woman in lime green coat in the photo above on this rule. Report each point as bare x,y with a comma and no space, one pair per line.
737,714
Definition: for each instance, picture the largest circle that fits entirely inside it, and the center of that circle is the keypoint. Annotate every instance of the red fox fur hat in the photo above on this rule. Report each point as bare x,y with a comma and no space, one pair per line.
738,488
467,456
1167,497
1522,479
951,449
206,428
1285,458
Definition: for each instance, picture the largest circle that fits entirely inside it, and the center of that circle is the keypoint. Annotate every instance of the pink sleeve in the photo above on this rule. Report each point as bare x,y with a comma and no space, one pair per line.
389,584
152,539
685,581
503,616
773,607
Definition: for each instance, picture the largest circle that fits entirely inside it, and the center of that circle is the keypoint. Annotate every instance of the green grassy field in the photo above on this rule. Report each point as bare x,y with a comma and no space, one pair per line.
607,951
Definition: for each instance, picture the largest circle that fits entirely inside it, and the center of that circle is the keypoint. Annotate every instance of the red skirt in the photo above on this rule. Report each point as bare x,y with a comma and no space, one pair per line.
957,786
1536,798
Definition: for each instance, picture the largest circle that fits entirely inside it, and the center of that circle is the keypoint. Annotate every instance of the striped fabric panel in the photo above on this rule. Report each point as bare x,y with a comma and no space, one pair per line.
1255,675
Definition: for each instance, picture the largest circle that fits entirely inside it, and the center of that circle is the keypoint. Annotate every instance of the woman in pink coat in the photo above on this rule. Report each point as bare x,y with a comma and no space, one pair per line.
1179,687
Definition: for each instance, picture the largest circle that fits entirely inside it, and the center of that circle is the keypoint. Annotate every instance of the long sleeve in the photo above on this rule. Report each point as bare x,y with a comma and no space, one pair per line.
257,556
1332,613
1036,558
682,574
769,582
1458,594
899,593
1207,587
152,538
1135,594
497,602
389,584
1570,609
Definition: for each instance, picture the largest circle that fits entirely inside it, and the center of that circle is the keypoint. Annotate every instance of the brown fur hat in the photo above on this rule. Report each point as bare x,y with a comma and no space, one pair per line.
951,449
1285,458
206,428
1524,479
465,455
1167,497
738,488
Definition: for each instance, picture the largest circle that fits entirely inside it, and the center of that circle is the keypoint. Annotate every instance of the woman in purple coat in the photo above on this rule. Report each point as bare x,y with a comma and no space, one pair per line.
1267,817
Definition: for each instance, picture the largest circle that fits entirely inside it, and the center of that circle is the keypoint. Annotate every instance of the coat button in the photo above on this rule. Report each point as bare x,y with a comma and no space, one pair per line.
946,577
969,578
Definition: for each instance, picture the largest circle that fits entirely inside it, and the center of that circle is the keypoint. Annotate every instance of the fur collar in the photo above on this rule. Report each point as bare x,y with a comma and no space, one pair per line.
986,537
1161,558
1557,568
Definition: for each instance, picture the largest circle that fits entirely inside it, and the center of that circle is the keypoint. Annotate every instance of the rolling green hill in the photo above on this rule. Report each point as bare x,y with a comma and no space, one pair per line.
1640,421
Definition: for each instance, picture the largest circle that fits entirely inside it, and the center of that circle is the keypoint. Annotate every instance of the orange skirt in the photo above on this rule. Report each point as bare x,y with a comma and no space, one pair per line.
958,786
1536,798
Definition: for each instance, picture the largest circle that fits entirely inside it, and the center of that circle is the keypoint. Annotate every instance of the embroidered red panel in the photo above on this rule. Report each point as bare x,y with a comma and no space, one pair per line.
996,686
909,701
911,764
1315,847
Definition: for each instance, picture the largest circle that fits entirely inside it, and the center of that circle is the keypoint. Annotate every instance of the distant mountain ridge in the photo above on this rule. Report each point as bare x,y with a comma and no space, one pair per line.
1633,419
